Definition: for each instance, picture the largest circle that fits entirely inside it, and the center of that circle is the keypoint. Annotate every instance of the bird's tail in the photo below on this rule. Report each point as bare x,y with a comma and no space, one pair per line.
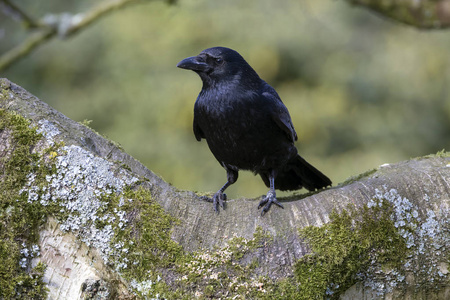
297,174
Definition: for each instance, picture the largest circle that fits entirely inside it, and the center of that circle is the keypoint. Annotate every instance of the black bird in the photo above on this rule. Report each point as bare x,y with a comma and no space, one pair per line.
247,126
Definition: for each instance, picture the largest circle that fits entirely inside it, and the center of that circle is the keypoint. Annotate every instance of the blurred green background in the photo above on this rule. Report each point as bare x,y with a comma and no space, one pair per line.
361,90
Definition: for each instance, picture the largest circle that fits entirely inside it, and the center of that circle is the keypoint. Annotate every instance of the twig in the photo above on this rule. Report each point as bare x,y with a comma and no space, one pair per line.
69,26
18,13
63,25
26,47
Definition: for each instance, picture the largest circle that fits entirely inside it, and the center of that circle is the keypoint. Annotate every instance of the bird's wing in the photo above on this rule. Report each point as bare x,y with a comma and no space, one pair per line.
280,113
198,132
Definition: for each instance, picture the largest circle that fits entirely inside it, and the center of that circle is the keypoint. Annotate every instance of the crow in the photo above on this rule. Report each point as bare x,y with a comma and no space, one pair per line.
247,126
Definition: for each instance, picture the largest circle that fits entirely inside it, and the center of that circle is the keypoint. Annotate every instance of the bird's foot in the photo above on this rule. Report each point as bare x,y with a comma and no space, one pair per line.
218,200
268,201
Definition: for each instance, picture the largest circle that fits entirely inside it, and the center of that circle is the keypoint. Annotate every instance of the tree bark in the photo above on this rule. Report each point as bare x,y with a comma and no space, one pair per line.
423,182
422,14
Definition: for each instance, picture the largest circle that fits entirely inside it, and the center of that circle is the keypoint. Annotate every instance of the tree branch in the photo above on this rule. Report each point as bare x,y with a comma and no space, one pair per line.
63,25
423,14
28,45
405,206
17,13
68,24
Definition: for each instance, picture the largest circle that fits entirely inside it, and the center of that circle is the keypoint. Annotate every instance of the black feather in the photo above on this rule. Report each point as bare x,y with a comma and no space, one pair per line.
246,125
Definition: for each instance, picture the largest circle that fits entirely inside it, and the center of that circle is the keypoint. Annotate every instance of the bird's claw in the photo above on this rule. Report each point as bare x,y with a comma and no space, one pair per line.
268,201
218,199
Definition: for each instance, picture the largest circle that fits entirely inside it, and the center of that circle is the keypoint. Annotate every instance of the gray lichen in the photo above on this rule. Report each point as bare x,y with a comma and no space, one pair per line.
19,219
48,129
427,236
96,200
103,205
80,182
392,246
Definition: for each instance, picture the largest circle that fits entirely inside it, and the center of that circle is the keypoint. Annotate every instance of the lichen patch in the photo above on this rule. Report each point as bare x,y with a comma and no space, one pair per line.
78,185
379,245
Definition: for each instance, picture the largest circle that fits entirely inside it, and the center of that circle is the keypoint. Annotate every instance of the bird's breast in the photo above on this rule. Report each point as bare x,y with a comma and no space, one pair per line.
239,133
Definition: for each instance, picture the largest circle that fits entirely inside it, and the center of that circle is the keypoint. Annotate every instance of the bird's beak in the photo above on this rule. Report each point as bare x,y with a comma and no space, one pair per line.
193,63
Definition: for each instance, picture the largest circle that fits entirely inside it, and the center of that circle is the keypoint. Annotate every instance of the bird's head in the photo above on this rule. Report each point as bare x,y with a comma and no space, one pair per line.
218,64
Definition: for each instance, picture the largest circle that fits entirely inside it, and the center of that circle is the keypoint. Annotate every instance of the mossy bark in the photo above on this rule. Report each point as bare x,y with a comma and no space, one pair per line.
423,14
416,192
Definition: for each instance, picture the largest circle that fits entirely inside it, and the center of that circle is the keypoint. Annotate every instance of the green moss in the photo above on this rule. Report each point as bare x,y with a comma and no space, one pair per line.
345,248
86,123
358,177
144,253
343,252
20,220
240,246
147,252
441,153
204,194
299,195
141,248
141,245
146,239
221,273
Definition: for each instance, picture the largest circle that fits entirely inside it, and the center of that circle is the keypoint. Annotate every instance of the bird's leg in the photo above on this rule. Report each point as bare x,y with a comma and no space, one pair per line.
219,197
271,196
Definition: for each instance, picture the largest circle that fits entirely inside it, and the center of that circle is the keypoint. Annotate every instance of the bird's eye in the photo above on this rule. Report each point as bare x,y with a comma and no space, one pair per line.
219,61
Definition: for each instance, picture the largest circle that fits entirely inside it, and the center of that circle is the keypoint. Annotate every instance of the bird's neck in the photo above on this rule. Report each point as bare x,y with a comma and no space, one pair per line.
242,81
